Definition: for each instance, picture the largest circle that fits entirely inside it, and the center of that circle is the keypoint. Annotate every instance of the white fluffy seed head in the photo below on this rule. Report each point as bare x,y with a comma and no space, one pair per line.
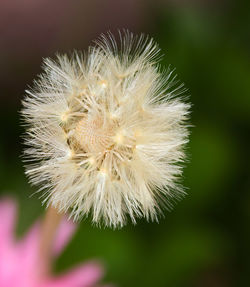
105,131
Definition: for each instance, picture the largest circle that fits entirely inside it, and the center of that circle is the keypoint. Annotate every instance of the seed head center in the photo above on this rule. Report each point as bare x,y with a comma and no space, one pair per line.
93,135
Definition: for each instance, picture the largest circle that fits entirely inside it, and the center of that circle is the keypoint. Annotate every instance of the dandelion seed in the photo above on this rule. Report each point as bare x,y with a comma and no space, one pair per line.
106,131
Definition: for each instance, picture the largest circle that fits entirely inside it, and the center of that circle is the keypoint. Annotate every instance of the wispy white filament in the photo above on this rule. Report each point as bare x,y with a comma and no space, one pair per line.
105,131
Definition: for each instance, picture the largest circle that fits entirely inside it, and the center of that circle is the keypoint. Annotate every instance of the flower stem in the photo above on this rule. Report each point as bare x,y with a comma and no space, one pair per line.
50,225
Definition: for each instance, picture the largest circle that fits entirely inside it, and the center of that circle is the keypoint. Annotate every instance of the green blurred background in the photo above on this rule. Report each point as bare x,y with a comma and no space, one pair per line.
205,240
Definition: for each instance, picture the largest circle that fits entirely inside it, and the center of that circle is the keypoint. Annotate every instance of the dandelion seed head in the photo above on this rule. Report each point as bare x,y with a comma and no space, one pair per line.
106,131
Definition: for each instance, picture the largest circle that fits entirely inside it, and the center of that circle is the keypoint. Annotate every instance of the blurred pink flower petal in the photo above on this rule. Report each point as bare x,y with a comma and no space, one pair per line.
65,232
82,276
7,221
19,260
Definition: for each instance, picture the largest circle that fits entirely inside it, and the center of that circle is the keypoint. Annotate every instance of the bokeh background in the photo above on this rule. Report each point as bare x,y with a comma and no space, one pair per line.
204,241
